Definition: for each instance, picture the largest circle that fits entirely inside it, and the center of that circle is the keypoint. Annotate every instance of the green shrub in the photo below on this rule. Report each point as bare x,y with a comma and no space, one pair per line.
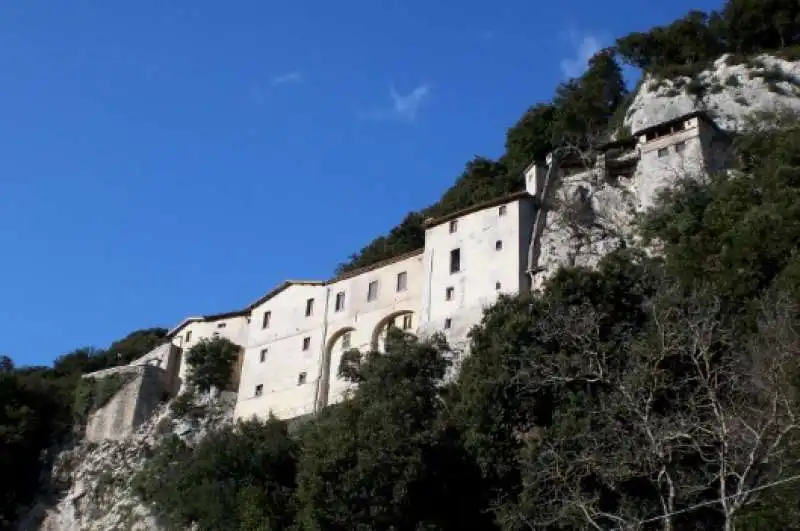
211,363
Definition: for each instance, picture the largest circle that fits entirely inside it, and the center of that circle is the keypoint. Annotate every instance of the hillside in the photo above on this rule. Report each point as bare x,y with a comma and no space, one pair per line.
636,390
731,62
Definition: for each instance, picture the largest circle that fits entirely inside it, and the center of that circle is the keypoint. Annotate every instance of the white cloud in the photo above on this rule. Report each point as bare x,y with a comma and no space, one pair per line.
583,48
404,107
295,76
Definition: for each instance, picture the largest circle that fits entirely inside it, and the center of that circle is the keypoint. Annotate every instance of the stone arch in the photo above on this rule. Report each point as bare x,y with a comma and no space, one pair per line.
323,394
383,325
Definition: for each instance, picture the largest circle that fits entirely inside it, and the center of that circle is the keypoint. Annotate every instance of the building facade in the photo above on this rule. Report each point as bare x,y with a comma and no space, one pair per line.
292,339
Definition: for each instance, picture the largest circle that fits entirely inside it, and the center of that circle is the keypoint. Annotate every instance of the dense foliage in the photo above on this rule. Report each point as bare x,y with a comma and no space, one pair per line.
651,393
237,478
640,395
211,362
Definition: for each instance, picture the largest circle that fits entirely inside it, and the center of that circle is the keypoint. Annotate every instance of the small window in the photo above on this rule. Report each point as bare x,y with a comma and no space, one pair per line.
346,340
215,334
498,245
453,226
502,210
301,378
455,261
662,152
263,356
407,322
306,343
497,286
259,390
221,325
340,301
372,291
188,336
309,307
448,323
265,320
679,147
448,293
402,281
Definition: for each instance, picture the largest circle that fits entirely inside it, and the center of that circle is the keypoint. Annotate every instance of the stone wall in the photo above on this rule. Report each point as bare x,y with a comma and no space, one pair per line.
130,407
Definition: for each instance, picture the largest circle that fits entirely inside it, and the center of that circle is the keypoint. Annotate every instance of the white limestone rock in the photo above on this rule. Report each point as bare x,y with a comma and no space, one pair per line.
97,494
732,92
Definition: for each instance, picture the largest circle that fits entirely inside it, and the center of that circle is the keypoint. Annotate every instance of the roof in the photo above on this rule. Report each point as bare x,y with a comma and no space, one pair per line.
475,208
699,113
206,319
376,265
280,287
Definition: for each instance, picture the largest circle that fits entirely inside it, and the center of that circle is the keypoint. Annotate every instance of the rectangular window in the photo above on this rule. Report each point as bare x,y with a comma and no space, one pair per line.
453,226
407,322
448,323
306,343
680,146
301,378
662,152
402,281
497,286
259,390
340,301
498,245
372,291
455,261
188,336
265,320
215,334
221,325
502,210
346,340
448,293
263,356
309,307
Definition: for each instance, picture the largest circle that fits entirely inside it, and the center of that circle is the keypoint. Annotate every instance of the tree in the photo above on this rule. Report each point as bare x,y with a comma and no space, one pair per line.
530,139
211,363
383,459
239,477
585,106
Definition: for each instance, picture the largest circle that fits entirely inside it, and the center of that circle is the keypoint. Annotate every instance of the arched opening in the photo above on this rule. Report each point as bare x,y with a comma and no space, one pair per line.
329,384
405,320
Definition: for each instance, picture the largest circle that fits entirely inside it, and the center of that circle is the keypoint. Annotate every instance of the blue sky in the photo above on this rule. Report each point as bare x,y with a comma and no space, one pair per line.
165,159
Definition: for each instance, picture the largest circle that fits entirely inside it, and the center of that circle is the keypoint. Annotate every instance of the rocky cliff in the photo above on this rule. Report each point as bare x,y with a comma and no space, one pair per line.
589,200
90,487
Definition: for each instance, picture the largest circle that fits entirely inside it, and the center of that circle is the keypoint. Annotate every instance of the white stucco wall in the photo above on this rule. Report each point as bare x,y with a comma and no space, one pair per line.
482,267
285,358
656,172
364,320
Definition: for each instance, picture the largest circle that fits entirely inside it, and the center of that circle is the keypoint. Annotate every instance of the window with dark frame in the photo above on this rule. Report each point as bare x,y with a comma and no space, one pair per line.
266,319
309,307
259,390
455,261
402,281
263,356
372,291
339,301
301,378
448,293
306,343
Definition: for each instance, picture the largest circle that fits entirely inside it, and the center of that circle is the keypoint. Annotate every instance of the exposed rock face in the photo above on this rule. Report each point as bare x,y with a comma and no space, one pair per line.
730,92
588,207
95,478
